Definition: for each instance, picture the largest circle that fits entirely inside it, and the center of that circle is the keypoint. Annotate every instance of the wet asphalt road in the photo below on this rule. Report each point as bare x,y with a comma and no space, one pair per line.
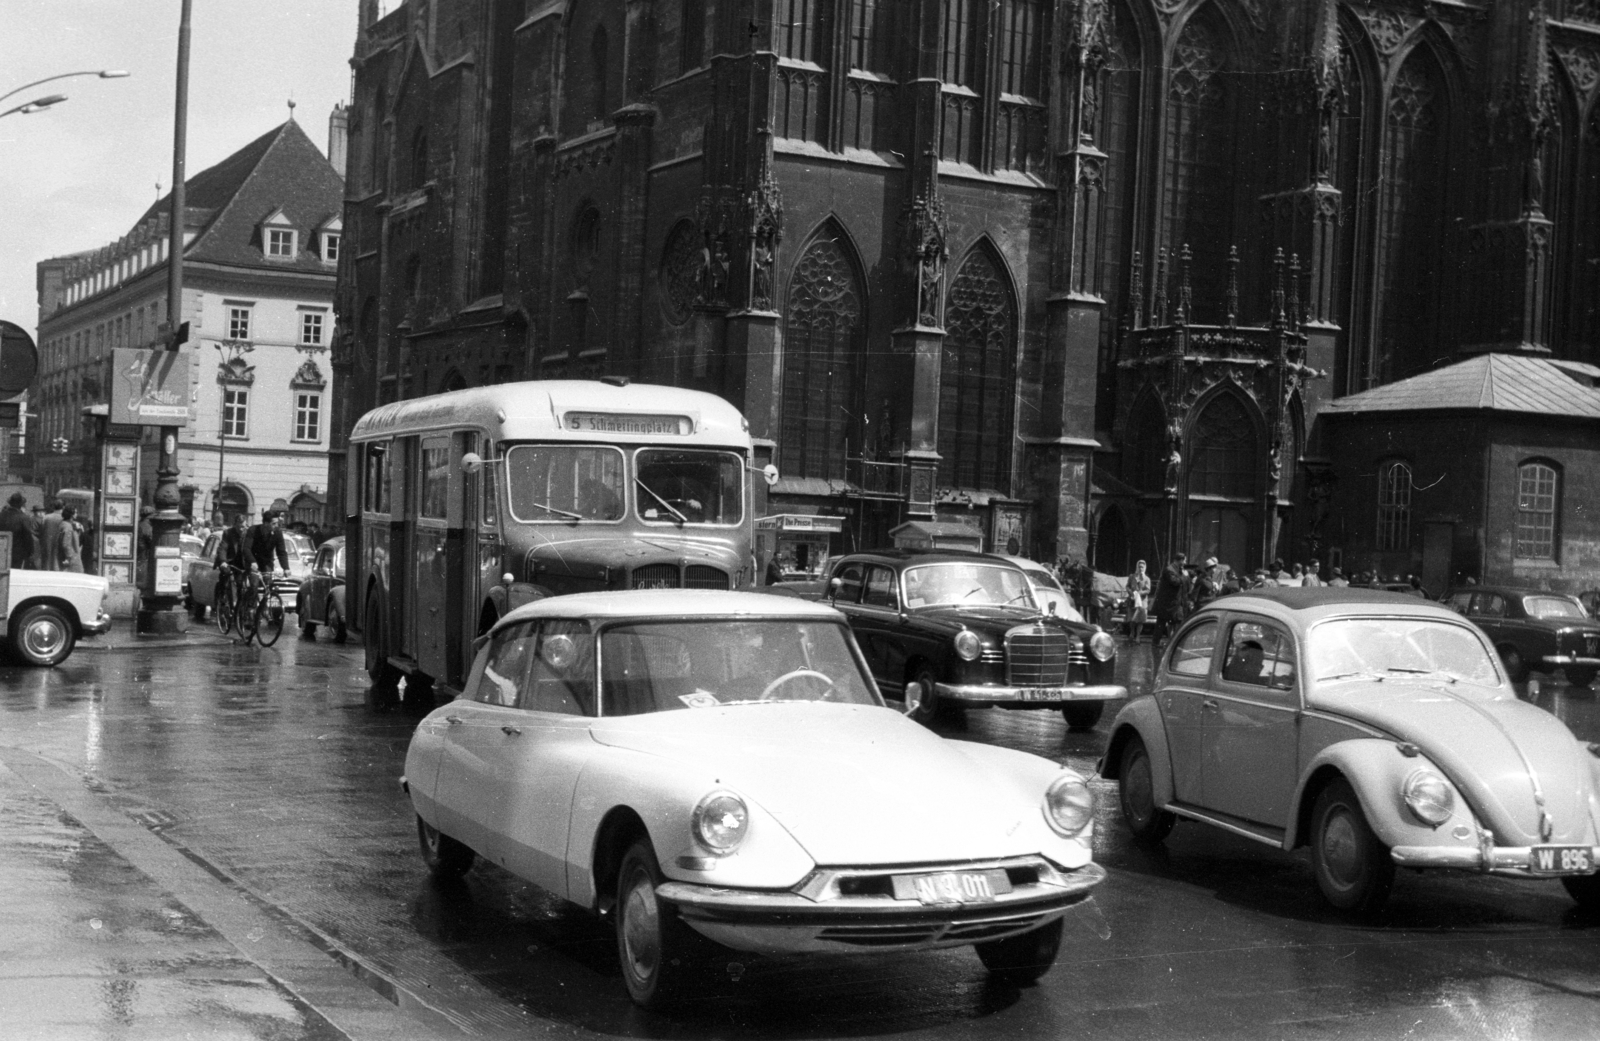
266,771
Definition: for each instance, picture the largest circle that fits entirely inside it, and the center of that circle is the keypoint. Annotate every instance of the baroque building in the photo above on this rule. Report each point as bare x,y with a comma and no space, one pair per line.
262,234
1078,274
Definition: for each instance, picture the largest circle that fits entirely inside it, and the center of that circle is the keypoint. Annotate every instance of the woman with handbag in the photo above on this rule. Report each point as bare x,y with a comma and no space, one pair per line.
1138,601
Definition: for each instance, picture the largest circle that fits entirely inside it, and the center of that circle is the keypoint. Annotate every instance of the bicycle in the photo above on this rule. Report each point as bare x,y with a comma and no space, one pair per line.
260,610
226,610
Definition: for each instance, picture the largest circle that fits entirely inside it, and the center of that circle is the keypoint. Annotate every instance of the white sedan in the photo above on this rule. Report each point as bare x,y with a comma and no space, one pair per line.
717,771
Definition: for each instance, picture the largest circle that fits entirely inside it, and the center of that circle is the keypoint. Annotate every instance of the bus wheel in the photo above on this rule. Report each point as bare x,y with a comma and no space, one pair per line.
385,690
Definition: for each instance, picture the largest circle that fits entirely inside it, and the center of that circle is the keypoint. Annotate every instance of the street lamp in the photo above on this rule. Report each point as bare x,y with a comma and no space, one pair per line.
105,74
36,105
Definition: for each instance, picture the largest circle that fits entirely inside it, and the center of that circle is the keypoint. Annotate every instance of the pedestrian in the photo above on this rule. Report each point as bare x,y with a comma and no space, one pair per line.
1279,574
1313,573
14,519
147,541
69,545
49,538
1338,580
265,541
1416,585
1206,587
1170,603
1138,601
774,573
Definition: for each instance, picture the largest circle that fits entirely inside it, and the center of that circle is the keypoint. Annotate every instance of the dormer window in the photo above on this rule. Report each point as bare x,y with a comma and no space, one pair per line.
279,239
328,236
330,247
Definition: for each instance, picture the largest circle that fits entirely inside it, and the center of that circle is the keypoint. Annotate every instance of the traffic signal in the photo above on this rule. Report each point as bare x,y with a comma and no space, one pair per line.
59,445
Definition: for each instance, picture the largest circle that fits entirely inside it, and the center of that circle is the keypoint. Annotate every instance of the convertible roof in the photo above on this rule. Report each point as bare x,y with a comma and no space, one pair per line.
671,605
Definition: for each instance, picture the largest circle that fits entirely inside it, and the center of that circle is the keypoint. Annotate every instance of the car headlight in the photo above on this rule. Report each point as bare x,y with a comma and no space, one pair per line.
1102,646
1068,805
720,822
1429,796
968,646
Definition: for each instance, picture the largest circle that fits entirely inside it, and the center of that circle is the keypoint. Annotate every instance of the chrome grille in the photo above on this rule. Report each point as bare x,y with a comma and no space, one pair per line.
698,576
655,576
1037,656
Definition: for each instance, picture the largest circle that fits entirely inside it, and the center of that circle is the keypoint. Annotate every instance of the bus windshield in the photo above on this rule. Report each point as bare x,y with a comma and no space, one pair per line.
678,486
565,483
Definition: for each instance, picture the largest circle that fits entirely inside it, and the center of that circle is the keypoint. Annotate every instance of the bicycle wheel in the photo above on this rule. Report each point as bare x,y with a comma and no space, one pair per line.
245,612
227,604
269,619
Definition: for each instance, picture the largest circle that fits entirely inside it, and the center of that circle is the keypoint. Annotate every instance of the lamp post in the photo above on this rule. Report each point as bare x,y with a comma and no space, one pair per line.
36,105
40,104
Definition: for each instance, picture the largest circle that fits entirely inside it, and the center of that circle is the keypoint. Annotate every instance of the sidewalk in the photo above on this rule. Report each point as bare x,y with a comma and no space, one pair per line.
113,932
123,637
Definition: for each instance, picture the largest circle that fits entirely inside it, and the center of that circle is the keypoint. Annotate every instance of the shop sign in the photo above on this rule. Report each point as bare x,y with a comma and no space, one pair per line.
800,522
149,387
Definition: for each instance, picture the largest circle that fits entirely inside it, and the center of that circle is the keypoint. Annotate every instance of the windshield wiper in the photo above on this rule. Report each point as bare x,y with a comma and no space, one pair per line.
1423,672
1363,673
559,513
669,507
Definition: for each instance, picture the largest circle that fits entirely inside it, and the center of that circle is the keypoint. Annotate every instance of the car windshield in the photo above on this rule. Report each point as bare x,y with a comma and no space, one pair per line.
298,544
689,487
661,666
1383,648
563,484
1553,607
967,585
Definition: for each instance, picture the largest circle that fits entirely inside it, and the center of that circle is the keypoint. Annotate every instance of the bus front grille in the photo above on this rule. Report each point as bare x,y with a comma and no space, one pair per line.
656,576
701,577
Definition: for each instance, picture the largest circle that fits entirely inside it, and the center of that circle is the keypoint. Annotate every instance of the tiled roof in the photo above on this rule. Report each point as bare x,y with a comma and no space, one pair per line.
1494,382
280,170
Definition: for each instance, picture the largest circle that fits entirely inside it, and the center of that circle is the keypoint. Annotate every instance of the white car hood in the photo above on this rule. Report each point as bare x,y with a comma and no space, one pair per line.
854,784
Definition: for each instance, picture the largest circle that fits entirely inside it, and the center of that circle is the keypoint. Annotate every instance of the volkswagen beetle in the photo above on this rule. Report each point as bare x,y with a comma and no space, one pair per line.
717,770
1378,729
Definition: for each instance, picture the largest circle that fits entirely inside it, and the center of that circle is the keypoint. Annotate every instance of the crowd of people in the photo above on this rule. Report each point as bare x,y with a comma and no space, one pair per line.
48,537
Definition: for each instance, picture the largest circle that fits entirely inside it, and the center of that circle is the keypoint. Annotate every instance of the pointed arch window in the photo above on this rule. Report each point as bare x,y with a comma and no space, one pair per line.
1148,432
1225,457
977,380
1412,183
599,72
797,30
1574,170
1116,127
1345,171
1394,506
693,28
872,35
1199,156
824,340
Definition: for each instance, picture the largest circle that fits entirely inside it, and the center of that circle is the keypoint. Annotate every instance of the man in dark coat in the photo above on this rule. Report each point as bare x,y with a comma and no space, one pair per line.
14,518
265,541
1170,603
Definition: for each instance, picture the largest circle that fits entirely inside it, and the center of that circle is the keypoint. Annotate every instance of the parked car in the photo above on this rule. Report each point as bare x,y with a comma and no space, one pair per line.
1533,630
321,597
1376,728
44,613
943,629
716,770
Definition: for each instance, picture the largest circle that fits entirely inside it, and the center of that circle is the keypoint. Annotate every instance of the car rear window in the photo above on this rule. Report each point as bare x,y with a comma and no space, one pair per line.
1552,607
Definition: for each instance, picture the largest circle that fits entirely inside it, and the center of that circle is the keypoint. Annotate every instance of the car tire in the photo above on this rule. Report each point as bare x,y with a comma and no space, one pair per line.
659,955
1021,960
1082,715
1353,868
1585,890
1580,676
197,610
1516,668
446,858
341,632
385,690
42,635
1136,794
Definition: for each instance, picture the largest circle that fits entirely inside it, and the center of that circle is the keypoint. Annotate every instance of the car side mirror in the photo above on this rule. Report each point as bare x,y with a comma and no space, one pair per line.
834,585
914,692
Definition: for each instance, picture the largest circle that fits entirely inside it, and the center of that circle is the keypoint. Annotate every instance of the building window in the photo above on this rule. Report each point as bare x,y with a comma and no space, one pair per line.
330,247
872,35
693,28
1022,48
235,411
307,415
797,30
823,344
1394,506
280,243
311,328
1537,485
238,323
1224,448
962,27
977,380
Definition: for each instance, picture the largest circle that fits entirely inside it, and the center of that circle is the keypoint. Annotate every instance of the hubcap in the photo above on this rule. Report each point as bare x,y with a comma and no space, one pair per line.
1340,848
44,637
641,928
1136,786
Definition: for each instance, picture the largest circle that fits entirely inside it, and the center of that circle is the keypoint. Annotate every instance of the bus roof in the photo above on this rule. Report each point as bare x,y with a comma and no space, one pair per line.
576,409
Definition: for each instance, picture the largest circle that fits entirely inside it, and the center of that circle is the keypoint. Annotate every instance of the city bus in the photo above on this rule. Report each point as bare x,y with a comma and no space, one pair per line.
464,505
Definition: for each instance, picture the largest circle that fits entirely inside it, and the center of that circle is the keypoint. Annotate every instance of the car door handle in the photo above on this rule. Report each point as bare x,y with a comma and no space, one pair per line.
452,720
1209,704
510,731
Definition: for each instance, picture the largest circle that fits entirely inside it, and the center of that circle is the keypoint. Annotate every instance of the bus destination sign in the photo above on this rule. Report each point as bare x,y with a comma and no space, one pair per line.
626,423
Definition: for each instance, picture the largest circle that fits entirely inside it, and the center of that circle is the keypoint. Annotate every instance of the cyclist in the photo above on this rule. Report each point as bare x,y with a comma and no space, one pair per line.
265,541
231,552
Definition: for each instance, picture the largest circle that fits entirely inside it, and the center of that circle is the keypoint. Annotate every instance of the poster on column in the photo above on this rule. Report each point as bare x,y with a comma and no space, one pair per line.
149,387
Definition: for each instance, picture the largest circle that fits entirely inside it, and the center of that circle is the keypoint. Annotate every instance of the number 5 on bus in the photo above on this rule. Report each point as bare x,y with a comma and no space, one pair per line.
464,505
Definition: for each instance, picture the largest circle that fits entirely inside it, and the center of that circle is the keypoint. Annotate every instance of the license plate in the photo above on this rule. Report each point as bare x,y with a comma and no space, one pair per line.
1039,694
1561,860
952,887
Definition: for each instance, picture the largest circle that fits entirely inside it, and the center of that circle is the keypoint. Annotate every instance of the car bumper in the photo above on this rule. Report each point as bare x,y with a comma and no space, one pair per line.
982,693
807,919
101,624
1558,660
1486,858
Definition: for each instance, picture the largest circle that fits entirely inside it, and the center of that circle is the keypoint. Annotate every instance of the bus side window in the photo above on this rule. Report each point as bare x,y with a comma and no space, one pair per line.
375,497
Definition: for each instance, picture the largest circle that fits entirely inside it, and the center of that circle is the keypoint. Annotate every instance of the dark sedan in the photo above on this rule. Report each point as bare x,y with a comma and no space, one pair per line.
1534,630
945,629
320,600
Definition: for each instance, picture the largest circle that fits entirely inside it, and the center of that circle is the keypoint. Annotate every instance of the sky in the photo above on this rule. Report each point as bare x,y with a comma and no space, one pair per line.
77,176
